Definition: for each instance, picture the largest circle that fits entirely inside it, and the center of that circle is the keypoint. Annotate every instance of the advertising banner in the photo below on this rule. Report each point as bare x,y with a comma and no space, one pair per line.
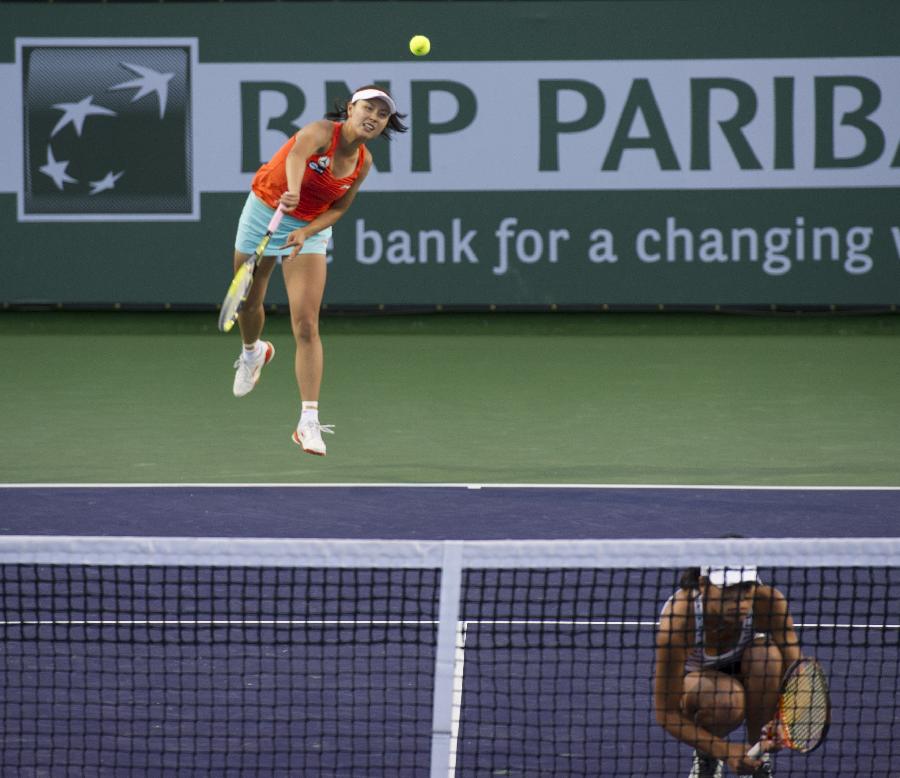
633,180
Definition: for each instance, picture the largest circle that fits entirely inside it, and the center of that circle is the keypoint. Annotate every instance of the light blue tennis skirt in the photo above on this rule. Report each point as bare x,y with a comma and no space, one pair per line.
255,220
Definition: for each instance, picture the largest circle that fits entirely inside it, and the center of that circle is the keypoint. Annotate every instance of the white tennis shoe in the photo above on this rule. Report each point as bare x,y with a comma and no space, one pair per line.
249,369
308,436
706,766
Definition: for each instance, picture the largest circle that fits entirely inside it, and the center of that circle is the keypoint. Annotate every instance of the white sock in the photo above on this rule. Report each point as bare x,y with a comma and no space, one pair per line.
251,350
310,412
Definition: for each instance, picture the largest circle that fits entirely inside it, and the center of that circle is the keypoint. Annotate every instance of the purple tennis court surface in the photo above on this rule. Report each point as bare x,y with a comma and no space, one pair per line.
342,684
447,512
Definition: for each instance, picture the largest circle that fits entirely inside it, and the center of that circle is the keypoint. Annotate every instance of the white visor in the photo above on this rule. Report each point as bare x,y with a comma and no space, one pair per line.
729,576
369,94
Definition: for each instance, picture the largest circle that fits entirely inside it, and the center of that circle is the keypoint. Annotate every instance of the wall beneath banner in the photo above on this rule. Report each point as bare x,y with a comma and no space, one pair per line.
569,153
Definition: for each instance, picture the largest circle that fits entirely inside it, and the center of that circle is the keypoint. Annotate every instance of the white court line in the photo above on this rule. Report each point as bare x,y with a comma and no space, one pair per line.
459,662
220,623
447,485
462,626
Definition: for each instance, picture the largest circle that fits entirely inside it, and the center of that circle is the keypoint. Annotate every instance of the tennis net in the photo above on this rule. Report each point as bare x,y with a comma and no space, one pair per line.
246,657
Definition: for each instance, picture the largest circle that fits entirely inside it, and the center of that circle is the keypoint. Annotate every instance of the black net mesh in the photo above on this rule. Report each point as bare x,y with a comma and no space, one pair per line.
194,670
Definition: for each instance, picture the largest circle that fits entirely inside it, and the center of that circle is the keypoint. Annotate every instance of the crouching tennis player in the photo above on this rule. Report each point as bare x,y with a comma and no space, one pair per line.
724,642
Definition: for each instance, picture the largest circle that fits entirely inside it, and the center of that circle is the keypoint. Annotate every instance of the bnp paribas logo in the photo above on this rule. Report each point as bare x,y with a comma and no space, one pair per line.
107,129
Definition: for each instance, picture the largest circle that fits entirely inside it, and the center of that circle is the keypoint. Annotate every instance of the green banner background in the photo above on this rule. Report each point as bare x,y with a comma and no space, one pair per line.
189,263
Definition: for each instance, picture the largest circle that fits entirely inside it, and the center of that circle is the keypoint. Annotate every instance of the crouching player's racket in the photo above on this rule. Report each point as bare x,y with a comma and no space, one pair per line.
243,278
804,710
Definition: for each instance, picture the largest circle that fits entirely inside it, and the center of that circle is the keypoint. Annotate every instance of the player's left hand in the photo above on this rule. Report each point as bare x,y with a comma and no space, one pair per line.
295,238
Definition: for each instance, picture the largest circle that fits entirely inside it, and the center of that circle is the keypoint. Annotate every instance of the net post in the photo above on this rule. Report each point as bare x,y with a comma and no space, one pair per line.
442,760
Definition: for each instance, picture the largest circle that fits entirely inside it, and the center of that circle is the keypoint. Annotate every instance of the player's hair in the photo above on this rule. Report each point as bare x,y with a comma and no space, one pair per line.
339,113
690,578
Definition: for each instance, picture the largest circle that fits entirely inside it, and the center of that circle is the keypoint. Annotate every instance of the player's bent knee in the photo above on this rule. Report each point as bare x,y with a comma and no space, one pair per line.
721,719
763,663
718,703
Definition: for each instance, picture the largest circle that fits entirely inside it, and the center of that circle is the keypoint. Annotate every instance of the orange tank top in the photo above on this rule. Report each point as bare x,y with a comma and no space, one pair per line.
318,189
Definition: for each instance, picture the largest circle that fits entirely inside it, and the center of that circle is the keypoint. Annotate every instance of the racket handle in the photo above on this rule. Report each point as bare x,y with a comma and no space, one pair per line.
276,220
755,752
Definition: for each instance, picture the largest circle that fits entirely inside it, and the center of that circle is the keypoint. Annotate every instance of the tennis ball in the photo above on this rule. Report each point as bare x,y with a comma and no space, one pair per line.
419,45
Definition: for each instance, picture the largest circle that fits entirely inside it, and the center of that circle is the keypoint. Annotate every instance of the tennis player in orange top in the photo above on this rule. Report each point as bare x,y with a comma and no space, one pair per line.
314,178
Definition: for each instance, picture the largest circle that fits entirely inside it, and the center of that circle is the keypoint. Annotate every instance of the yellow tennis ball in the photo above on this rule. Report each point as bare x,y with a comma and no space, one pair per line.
419,45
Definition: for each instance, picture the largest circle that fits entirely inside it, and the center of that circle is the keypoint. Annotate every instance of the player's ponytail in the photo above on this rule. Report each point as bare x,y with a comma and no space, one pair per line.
339,113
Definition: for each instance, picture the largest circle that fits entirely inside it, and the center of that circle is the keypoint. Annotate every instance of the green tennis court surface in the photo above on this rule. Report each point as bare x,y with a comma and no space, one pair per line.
502,398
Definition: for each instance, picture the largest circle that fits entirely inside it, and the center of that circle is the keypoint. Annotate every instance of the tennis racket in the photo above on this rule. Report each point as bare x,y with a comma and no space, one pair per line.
243,278
804,709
